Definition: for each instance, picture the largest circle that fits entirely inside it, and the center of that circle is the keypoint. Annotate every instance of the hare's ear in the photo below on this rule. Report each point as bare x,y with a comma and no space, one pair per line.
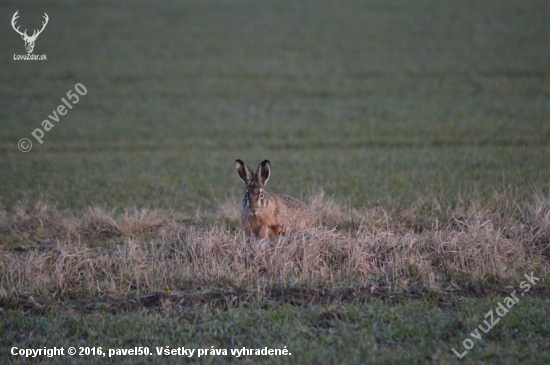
244,171
262,174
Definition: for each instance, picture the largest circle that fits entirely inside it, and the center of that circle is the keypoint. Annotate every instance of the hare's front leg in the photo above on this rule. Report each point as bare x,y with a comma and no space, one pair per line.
263,232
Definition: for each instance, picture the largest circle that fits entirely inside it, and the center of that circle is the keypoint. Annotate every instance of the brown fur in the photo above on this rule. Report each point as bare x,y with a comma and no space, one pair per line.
274,214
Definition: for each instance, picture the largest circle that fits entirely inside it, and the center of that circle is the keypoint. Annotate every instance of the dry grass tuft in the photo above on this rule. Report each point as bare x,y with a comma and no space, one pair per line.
326,211
536,225
39,220
149,251
98,223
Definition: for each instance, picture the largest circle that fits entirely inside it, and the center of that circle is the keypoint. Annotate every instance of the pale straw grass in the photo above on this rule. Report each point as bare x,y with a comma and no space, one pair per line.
51,253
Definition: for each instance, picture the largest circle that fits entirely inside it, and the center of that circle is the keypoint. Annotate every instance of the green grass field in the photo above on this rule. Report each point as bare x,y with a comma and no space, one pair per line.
413,117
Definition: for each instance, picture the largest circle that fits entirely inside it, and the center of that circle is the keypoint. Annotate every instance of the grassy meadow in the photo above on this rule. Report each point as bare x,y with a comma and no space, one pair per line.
417,131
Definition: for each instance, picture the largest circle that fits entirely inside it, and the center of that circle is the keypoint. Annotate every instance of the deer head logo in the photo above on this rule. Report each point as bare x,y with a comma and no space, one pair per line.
29,41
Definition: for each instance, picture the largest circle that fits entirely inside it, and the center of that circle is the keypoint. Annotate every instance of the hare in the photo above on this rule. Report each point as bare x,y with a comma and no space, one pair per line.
263,213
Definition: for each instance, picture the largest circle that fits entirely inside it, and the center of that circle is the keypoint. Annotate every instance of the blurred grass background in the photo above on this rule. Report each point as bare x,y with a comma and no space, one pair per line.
374,102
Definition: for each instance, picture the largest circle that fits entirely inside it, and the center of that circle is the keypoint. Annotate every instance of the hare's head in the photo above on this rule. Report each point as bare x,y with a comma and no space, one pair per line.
255,198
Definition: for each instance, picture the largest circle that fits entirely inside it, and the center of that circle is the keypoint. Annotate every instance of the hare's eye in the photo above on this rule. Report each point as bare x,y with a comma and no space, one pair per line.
262,195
